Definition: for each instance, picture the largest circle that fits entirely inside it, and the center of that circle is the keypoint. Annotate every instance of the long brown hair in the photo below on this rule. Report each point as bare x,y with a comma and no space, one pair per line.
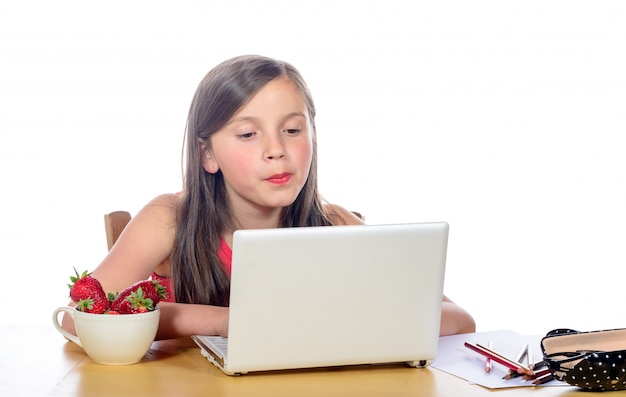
204,212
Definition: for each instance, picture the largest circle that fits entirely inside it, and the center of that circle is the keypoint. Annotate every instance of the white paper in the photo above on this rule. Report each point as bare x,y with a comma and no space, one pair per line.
456,359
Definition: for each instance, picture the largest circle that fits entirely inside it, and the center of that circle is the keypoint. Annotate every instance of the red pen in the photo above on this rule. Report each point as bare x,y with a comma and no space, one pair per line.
538,374
500,359
520,356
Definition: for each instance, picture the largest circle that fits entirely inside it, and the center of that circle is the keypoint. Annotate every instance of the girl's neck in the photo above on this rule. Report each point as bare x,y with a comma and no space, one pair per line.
248,221
257,219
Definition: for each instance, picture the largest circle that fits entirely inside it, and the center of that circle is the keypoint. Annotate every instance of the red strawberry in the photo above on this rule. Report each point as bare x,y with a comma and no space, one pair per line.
83,286
98,305
87,292
151,289
136,302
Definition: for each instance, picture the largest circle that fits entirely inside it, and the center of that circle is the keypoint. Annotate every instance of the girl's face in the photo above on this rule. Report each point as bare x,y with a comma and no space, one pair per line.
265,150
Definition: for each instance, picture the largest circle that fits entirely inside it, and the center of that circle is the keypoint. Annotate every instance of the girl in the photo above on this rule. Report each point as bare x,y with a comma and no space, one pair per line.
251,162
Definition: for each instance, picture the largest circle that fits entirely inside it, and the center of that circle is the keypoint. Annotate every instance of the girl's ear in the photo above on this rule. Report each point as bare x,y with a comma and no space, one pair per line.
206,157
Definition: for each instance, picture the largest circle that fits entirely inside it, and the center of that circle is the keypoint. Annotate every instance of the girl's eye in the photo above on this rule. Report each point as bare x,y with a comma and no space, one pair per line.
292,131
246,135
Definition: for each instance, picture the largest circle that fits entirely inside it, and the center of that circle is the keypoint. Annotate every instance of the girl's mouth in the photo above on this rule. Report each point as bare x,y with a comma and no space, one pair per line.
279,179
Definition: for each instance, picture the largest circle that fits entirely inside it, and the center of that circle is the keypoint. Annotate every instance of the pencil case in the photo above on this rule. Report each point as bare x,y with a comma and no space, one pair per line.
594,360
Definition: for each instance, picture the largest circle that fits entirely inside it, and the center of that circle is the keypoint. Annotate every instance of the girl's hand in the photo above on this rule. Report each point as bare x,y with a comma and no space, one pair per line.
454,319
184,319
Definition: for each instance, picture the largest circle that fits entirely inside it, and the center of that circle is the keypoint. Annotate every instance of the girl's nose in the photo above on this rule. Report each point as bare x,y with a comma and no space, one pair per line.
274,147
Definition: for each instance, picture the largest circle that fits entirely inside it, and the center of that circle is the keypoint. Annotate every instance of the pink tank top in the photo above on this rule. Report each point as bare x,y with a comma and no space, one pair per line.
226,256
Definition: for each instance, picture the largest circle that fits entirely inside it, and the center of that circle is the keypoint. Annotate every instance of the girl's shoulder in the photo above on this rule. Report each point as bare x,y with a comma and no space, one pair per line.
341,216
162,208
167,201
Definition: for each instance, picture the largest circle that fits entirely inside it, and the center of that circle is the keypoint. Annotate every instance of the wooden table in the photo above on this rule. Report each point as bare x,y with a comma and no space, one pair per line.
37,361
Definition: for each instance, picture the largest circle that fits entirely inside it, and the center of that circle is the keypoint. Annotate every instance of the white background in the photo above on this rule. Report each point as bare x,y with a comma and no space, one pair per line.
503,118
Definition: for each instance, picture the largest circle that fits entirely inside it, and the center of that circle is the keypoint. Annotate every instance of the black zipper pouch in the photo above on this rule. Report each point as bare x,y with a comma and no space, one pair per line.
594,360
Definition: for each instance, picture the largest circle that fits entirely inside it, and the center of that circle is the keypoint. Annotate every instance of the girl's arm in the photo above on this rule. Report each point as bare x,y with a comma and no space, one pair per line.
145,247
181,319
454,319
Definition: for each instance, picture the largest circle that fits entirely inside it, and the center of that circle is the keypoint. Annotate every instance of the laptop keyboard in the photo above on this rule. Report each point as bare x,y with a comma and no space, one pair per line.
214,348
220,343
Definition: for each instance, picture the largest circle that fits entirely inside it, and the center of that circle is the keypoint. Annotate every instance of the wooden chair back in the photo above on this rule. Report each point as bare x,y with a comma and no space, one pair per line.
114,223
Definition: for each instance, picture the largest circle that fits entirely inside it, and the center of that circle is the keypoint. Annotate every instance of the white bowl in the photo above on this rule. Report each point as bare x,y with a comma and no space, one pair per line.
112,339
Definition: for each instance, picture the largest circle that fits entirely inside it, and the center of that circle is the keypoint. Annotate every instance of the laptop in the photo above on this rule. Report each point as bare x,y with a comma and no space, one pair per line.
332,296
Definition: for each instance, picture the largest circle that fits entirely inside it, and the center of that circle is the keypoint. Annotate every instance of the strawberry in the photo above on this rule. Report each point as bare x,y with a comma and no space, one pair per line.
150,289
88,293
83,286
154,290
136,302
98,305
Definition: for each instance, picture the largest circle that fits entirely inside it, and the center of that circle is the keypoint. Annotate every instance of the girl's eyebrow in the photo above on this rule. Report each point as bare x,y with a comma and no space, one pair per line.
238,119
295,114
251,118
